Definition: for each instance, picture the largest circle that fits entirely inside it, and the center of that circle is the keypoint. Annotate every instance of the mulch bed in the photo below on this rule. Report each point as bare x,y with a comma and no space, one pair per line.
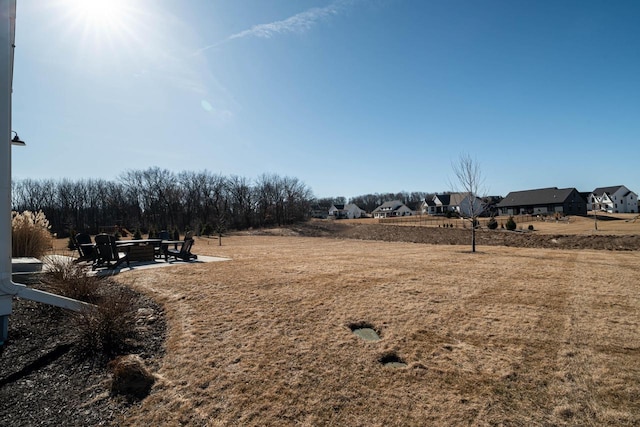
45,378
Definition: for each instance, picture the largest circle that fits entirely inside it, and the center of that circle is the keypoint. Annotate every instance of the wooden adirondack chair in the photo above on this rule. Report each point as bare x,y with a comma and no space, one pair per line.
82,242
184,253
107,253
160,249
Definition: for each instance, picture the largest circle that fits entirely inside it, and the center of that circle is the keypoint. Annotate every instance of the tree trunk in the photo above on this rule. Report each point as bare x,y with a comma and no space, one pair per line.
473,236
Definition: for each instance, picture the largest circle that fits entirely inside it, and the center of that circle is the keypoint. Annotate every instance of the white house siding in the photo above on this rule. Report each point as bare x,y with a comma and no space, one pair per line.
620,201
404,211
464,208
353,211
631,204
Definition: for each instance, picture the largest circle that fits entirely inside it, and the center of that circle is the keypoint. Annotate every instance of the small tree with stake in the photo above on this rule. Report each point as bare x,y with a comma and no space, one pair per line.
471,183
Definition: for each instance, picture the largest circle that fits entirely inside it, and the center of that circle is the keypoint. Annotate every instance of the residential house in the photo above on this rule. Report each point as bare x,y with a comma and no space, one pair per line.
390,209
349,211
615,199
428,207
318,211
490,203
567,201
462,204
335,210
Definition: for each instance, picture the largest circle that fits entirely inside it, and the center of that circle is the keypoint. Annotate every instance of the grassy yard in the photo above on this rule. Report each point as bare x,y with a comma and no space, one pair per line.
506,336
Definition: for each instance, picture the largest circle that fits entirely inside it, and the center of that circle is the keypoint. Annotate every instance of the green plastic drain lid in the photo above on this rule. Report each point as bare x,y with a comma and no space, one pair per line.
396,364
367,334
392,360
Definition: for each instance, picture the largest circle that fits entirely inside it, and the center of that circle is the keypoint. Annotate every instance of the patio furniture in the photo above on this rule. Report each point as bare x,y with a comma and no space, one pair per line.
107,252
184,253
141,252
161,248
86,252
139,249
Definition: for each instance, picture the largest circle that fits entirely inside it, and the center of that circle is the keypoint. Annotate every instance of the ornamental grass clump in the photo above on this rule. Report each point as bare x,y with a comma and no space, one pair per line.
70,279
30,235
109,327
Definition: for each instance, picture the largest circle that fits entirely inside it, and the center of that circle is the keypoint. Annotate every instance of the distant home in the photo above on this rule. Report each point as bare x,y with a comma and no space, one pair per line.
349,211
318,211
490,205
615,199
567,201
459,203
392,209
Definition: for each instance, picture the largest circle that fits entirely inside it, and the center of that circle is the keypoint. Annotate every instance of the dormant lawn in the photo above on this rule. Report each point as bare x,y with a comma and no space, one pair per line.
506,336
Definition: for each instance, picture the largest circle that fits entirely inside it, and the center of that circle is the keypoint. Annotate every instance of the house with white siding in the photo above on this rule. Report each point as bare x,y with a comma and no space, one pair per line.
349,211
614,199
392,209
463,204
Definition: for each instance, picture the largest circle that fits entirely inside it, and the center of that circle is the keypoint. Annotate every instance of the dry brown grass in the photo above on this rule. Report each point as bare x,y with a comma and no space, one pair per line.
506,336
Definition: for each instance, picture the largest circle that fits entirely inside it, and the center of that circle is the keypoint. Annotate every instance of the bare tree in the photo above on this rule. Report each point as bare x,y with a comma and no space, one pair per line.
470,182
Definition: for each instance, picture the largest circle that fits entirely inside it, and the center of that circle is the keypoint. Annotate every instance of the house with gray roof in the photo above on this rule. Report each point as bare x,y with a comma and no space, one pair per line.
392,209
614,199
349,211
551,200
318,211
461,203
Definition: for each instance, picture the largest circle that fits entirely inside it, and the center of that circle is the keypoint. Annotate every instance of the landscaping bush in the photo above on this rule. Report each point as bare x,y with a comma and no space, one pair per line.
30,234
530,227
137,235
69,279
492,224
511,224
107,328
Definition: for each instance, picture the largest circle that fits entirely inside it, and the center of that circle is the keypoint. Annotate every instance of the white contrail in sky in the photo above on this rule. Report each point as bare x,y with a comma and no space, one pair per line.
298,23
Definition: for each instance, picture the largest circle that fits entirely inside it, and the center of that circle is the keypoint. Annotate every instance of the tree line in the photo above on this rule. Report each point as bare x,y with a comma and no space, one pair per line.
368,202
159,199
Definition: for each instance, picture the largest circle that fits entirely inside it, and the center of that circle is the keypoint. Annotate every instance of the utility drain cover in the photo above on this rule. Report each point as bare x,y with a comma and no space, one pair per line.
367,334
392,361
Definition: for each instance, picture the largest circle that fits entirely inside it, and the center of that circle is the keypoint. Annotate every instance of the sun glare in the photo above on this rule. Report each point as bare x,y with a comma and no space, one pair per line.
99,11
98,16
100,31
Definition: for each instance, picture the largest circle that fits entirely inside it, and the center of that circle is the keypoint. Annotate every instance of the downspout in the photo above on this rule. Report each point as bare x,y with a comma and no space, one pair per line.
8,289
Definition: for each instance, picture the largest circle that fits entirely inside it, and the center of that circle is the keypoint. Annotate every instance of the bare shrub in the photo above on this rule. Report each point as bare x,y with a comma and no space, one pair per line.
70,279
30,235
108,328
130,377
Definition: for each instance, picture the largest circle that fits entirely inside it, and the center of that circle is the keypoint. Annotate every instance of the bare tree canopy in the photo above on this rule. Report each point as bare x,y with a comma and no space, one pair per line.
470,182
154,199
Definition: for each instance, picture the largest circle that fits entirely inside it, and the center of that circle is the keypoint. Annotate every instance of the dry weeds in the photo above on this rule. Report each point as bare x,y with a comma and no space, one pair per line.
506,336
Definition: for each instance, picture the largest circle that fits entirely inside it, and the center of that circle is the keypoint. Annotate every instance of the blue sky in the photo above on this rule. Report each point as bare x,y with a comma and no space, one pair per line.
350,96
